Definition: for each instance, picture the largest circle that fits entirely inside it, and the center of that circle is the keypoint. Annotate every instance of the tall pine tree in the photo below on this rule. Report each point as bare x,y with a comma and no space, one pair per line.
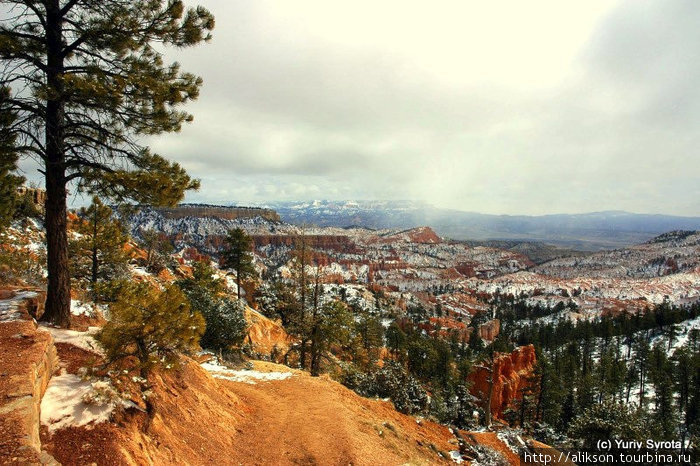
237,255
87,85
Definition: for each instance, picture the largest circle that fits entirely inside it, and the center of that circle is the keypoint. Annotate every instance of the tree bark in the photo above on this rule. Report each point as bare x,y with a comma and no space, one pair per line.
238,278
95,264
57,309
315,359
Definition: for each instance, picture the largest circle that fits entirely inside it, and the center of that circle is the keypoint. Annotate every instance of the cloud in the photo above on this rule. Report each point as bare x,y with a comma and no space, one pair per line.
536,108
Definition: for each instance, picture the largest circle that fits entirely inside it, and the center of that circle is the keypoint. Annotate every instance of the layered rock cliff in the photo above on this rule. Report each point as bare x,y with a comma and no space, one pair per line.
28,359
511,372
214,211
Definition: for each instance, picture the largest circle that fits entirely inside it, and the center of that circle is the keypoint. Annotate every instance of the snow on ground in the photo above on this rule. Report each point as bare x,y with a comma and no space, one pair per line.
246,376
512,439
64,403
79,308
83,340
139,271
8,307
683,331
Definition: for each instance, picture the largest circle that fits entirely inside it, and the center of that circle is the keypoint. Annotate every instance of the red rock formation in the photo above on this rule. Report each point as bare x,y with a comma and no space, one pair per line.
266,336
511,374
466,269
423,235
192,254
489,330
36,195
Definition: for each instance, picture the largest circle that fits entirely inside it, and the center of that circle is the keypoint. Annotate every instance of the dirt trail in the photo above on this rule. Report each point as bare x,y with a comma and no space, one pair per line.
301,420
305,420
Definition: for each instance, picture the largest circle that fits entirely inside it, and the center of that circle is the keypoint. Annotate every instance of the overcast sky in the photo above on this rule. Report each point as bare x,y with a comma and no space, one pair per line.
497,107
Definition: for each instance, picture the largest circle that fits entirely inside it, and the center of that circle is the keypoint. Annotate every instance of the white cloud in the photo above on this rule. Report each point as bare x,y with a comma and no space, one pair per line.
502,107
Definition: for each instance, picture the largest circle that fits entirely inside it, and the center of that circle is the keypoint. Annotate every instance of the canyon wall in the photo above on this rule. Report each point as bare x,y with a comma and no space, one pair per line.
227,213
511,371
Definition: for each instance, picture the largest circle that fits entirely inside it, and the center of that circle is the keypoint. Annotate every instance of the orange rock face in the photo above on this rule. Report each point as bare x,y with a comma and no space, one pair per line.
489,331
424,235
266,336
511,375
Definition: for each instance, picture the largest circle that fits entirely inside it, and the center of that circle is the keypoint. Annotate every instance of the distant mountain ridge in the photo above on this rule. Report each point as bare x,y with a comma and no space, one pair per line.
666,254
589,231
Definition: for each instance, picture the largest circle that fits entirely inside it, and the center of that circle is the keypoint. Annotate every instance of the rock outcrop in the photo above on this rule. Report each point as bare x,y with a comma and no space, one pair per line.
28,359
36,195
223,212
266,336
490,330
511,372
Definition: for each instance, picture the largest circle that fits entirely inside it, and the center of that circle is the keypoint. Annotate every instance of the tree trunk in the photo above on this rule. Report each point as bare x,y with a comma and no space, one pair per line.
95,264
57,309
315,354
315,331
302,353
238,279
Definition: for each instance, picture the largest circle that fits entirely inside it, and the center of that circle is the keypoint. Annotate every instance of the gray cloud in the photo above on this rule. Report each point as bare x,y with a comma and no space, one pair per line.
487,122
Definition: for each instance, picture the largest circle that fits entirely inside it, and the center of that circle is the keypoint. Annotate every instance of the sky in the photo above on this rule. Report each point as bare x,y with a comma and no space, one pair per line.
502,107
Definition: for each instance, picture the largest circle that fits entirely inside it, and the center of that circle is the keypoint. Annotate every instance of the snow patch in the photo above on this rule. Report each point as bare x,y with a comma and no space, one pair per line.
63,404
83,340
79,308
139,271
246,376
9,308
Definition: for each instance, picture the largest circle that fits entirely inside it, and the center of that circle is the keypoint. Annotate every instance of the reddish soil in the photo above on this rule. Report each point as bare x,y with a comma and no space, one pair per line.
73,358
82,322
308,420
193,422
300,420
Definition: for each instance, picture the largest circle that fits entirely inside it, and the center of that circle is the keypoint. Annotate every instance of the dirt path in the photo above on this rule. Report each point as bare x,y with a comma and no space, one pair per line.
300,420
305,420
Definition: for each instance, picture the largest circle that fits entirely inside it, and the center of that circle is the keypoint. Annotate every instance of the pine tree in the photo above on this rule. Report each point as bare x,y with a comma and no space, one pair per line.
660,373
225,323
87,85
152,325
9,182
237,255
488,363
642,351
331,325
158,249
97,254
371,333
605,421
301,261
395,340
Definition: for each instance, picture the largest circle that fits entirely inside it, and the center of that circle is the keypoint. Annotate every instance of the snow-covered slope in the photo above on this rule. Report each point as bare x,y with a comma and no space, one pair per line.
673,252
